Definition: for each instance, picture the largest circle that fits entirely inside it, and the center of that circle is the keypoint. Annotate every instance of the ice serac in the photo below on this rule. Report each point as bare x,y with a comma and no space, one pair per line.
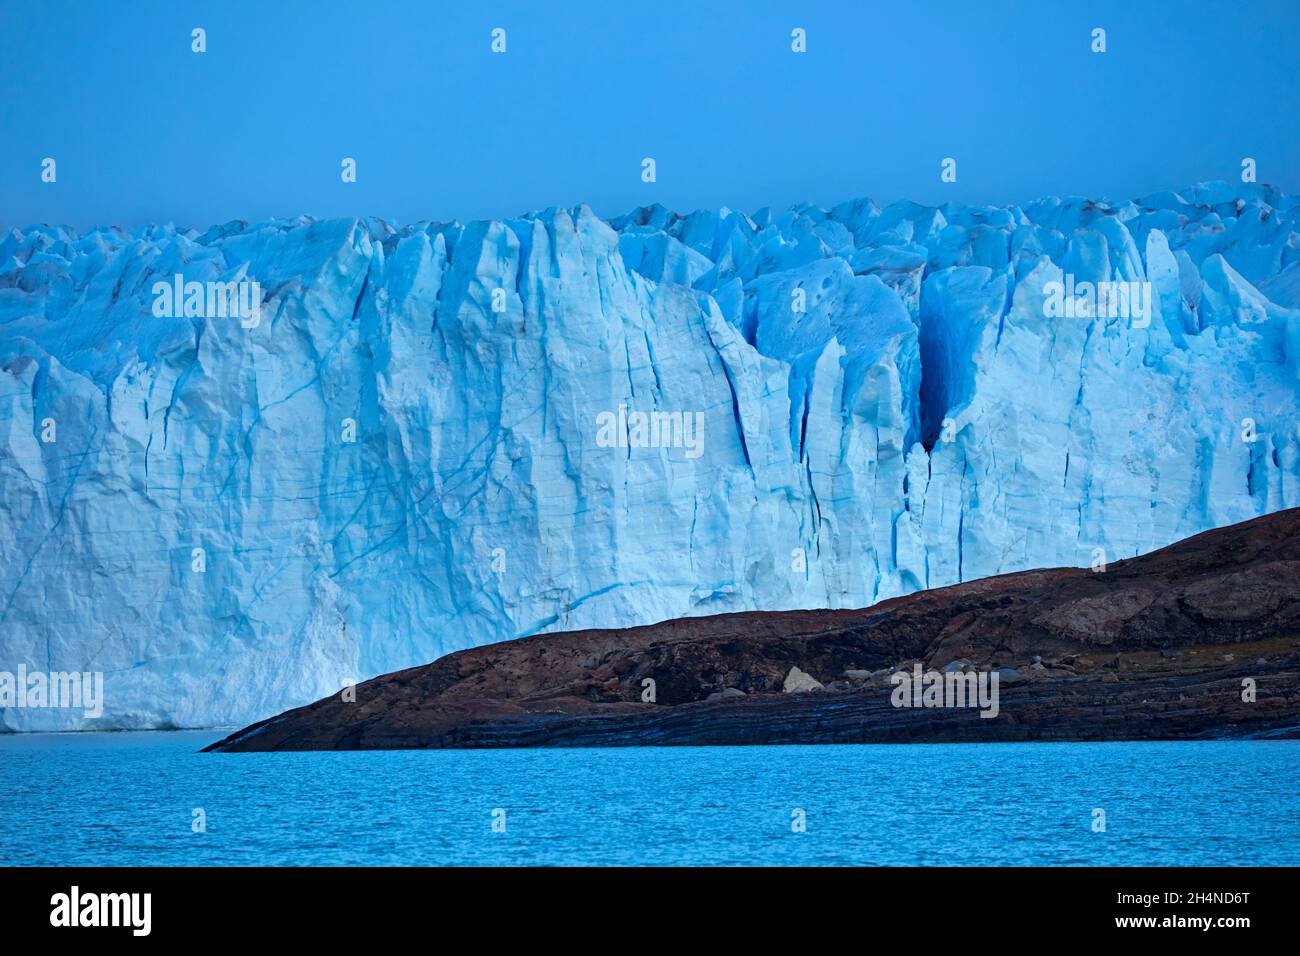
405,456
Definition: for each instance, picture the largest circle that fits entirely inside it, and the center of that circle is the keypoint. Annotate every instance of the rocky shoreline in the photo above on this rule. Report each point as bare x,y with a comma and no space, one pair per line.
1197,640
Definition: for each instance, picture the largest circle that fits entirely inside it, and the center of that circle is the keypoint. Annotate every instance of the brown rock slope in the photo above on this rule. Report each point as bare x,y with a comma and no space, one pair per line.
1156,647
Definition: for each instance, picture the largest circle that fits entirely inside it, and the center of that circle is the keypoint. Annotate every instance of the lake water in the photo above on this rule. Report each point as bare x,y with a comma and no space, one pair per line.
128,798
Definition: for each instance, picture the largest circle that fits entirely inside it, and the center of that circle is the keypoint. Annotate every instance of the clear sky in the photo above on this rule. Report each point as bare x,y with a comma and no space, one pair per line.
145,130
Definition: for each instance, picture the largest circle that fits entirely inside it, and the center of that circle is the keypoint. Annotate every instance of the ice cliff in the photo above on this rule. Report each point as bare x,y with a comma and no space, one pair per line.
401,458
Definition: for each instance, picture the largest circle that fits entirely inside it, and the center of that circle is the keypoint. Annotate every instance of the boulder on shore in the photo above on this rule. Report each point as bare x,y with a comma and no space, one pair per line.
797,682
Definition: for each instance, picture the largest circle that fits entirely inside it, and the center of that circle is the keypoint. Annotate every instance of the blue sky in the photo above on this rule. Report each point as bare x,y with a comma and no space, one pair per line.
145,130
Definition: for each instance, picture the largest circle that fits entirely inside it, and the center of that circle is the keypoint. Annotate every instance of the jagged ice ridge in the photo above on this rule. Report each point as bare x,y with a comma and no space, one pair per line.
921,422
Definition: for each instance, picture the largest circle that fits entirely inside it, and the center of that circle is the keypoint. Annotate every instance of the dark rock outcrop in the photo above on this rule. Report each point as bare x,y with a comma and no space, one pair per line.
1156,647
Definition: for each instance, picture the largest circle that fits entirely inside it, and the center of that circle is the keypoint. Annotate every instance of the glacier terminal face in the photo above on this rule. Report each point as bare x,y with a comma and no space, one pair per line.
444,435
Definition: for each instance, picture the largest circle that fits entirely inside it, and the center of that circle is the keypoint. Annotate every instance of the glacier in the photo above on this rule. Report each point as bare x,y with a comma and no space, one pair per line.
400,459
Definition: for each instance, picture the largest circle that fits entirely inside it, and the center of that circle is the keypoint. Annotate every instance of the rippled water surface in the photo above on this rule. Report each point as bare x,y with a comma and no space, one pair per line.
130,798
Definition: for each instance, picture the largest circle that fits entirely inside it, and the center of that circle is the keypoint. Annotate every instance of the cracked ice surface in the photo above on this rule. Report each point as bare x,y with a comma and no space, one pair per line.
919,423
